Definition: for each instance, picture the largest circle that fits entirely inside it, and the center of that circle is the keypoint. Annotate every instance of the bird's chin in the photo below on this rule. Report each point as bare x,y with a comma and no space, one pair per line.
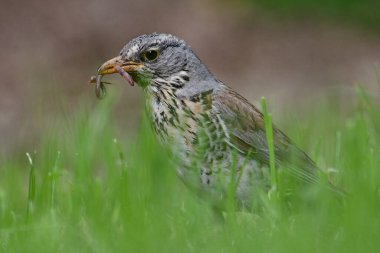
141,79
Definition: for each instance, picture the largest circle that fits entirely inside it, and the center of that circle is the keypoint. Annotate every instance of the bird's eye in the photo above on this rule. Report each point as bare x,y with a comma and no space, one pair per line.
149,55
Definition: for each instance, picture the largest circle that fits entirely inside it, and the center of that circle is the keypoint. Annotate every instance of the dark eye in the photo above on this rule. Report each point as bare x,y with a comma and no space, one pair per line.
149,55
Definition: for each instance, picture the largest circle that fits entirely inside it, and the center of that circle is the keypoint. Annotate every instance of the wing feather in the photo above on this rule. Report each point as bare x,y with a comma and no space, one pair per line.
246,129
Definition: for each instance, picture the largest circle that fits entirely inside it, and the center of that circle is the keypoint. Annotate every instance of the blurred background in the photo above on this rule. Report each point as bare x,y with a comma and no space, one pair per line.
291,51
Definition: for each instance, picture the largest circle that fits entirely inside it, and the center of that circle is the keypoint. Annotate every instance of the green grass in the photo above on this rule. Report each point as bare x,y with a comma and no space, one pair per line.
365,13
270,141
86,188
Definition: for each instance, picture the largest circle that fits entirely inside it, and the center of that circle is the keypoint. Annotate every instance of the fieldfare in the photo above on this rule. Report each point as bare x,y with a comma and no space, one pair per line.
216,135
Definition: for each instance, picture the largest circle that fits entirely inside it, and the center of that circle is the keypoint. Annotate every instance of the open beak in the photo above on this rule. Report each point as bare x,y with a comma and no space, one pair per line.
115,64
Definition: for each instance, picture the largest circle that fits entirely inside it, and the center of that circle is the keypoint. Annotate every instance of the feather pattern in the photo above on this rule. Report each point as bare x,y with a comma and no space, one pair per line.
246,128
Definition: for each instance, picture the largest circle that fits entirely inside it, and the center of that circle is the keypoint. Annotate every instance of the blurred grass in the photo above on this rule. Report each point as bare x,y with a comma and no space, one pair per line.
365,12
94,192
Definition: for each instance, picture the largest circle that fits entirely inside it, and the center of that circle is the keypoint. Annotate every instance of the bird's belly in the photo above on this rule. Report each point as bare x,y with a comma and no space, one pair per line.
205,160
178,139
232,175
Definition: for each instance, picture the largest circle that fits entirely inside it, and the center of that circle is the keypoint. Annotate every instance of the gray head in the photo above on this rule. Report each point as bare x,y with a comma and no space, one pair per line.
160,60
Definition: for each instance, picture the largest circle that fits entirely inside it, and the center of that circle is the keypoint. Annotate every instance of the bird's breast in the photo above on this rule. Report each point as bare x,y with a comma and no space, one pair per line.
175,120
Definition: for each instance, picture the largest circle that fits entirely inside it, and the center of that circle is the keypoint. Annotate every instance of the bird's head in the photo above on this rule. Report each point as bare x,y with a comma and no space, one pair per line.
158,60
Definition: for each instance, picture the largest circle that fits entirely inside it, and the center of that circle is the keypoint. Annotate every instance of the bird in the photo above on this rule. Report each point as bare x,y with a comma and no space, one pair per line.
217,137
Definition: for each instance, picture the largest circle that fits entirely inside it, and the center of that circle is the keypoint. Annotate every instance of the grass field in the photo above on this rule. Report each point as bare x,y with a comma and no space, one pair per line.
85,191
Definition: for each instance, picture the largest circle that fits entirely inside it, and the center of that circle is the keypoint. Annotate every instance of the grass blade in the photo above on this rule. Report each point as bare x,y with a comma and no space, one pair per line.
270,141
32,187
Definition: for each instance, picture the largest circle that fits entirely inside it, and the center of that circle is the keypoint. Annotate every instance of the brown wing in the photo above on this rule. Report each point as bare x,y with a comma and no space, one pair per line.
245,126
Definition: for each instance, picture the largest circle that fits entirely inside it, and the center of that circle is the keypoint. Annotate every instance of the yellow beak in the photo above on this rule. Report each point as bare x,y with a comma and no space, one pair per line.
108,67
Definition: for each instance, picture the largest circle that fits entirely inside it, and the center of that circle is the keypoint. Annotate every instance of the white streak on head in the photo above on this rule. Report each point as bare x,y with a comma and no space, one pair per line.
133,51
